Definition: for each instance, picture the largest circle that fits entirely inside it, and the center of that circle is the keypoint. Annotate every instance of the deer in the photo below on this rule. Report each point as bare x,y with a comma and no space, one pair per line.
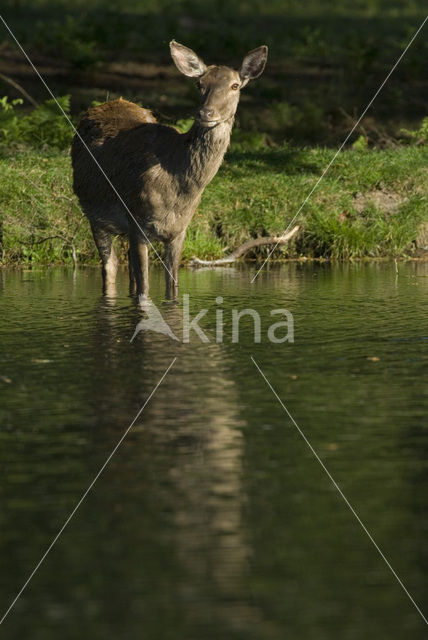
137,177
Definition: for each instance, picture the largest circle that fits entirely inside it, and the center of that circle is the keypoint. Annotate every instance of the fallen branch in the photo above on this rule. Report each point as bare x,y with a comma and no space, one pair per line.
251,244
19,88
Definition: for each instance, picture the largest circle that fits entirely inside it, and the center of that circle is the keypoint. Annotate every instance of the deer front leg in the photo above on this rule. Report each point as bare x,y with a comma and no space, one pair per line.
173,251
139,260
107,254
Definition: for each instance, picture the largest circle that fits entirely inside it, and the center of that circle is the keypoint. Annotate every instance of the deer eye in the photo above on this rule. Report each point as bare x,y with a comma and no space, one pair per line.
235,86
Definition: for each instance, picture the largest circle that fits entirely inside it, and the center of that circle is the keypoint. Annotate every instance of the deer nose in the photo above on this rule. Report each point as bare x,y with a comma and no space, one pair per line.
206,114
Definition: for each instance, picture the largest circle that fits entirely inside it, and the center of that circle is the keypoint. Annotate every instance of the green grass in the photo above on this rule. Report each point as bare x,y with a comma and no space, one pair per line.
370,203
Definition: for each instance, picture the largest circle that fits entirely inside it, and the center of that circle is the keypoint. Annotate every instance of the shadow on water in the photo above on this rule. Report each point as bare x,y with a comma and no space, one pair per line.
213,519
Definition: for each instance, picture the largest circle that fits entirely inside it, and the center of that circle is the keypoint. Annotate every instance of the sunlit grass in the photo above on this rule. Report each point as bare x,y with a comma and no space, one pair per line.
370,204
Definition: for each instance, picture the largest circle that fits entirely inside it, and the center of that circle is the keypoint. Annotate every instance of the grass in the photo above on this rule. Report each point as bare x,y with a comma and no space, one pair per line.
370,203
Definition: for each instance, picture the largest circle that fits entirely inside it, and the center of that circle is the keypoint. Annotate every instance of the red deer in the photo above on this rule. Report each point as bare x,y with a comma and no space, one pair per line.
156,174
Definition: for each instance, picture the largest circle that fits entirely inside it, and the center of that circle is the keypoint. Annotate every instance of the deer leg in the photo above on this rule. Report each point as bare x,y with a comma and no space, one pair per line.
107,254
173,251
130,271
139,261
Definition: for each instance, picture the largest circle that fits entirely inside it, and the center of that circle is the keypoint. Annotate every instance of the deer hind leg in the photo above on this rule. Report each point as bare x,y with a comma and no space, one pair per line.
107,254
173,251
138,261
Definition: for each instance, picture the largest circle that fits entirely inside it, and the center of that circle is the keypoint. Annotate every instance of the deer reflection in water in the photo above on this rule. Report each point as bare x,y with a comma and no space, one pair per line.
185,456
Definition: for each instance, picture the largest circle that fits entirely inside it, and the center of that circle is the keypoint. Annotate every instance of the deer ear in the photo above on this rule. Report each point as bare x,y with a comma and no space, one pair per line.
253,64
186,60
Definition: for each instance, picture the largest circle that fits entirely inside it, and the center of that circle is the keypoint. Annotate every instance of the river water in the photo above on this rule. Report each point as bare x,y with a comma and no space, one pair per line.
215,518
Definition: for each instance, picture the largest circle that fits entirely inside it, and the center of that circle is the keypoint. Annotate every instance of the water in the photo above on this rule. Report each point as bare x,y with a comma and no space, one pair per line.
214,519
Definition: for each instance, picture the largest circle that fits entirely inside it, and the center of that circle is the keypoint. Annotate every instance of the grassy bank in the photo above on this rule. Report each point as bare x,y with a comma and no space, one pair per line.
326,60
371,203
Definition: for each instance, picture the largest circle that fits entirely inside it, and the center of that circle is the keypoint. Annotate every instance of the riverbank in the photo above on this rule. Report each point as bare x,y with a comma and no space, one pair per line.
370,203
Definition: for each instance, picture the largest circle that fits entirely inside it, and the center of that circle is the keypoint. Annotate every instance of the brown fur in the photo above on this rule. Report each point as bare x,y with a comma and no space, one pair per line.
105,120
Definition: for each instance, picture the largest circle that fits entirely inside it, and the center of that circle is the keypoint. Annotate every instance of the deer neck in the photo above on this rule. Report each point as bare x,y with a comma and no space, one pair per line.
206,147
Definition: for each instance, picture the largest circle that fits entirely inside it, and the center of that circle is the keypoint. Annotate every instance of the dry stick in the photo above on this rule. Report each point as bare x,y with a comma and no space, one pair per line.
258,242
18,87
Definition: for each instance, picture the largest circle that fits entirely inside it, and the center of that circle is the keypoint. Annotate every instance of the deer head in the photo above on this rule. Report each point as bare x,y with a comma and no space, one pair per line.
219,86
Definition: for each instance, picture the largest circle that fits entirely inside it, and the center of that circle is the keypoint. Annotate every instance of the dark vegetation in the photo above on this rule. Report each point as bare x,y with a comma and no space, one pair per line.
326,59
